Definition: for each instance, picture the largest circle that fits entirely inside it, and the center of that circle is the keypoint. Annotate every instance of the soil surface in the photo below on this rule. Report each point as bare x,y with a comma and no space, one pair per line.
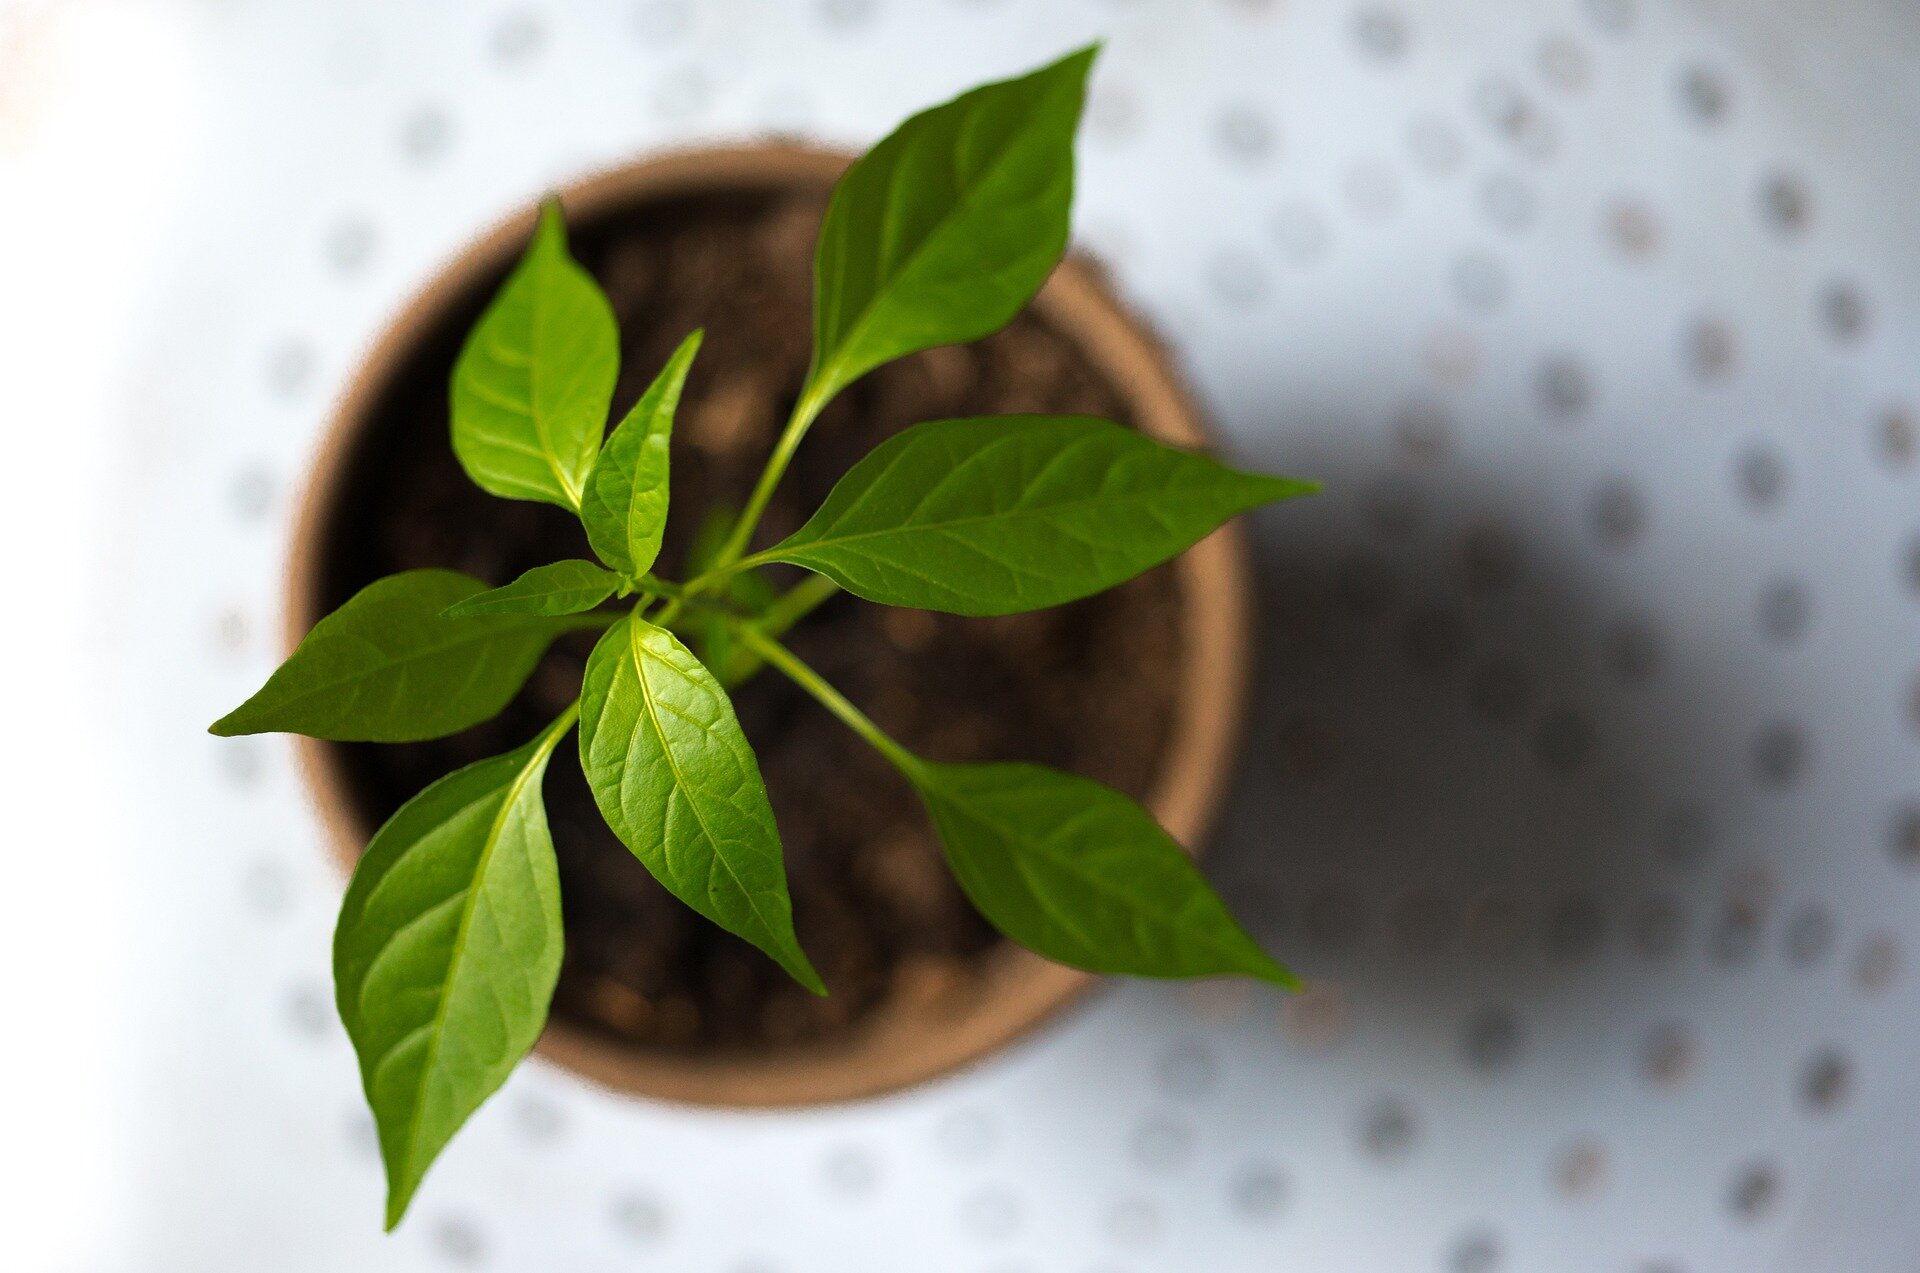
1087,687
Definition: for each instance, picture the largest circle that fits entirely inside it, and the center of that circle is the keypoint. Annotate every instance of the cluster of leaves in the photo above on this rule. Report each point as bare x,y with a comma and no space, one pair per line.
449,941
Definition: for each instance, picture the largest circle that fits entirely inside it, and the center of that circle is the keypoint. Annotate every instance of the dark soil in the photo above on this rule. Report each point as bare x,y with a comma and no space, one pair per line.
1086,687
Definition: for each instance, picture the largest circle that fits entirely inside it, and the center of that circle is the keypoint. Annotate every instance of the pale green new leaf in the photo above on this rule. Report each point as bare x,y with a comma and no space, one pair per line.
947,227
1007,513
389,666
1081,874
625,507
557,588
535,379
447,951
678,783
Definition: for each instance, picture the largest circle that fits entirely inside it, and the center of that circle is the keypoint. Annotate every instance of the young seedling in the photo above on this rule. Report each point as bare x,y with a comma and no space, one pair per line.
449,940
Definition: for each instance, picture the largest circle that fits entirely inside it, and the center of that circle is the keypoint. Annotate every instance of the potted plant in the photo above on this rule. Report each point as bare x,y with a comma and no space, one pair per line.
971,562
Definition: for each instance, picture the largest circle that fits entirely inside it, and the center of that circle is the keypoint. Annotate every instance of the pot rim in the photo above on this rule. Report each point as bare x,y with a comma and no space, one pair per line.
899,1046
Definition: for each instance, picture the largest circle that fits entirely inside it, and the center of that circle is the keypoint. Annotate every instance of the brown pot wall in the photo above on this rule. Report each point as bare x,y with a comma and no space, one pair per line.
898,1047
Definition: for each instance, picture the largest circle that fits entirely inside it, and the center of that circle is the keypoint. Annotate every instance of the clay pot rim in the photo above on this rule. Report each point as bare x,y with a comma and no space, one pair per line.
904,1046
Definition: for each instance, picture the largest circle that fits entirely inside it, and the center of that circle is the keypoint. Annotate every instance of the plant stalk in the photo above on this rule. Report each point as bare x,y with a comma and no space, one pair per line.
830,698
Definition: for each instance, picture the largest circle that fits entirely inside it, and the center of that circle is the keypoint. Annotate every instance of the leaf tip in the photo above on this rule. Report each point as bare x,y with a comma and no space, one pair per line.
552,227
231,725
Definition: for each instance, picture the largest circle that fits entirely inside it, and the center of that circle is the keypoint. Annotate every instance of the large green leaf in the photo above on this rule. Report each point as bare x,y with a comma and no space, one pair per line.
560,587
1081,874
534,381
389,666
625,508
947,227
447,951
677,781
1001,514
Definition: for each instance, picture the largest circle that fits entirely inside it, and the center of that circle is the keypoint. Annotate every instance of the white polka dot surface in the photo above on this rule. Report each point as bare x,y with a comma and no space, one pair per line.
1583,780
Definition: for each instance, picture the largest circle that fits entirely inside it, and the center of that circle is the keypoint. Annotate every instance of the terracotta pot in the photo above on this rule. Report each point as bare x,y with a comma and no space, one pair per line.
1019,990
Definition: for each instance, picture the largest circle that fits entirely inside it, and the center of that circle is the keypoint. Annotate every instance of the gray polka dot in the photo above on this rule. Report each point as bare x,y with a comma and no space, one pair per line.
1502,689
1476,1252
1435,146
1493,1040
538,1121
363,1136
1565,739
1686,835
851,1171
1188,1071
1133,1221
992,1215
1658,927
289,368
1669,1056
1755,1193
1373,192
681,94
310,1010
638,1217
1843,312
1381,33
1421,922
1244,134
1617,515
1809,936
1912,567
1332,919
1389,1130
1495,924
242,761
1632,228
1575,928
1634,651
845,15
1395,507
966,1135
1258,1192
1480,281
1564,64
518,38
1711,350
1704,94
349,246
1786,204
458,1240
1423,432
266,887
1563,387
1302,233
1760,476
661,22
1113,112
1736,934
1615,17
1786,609
1237,279
1514,117
1897,436
253,492
1580,1171
1877,965
1508,203
1825,1080
1781,754
1435,640
426,134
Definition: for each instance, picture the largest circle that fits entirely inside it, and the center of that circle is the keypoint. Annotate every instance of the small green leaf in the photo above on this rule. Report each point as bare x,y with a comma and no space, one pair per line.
1000,514
558,588
447,951
389,666
947,227
625,508
534,381
678,783
1079,873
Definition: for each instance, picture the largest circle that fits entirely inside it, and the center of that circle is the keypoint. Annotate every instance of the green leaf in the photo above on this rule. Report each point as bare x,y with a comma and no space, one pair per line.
625,508
389,666
534,381
945,229
679,784
1001,514
560,587
1079,873
447,951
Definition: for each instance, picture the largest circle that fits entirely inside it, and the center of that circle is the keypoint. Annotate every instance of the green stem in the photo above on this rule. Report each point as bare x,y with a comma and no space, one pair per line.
805,412
791,606
830,698
550,737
